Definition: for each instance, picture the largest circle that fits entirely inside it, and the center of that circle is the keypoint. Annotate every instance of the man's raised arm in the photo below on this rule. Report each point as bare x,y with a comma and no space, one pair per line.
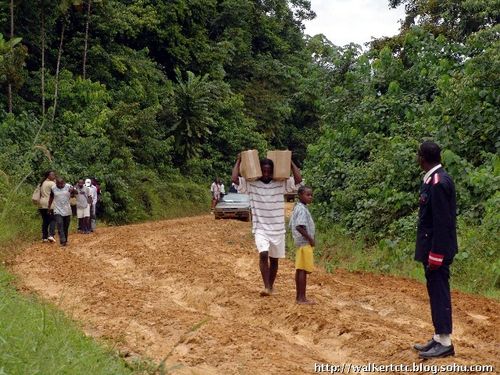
236,171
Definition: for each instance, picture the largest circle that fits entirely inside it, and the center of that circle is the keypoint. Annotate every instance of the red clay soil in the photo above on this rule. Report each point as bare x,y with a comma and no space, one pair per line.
188,290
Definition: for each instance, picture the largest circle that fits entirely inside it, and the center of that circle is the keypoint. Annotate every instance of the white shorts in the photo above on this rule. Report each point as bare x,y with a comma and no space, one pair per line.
83,212
274,244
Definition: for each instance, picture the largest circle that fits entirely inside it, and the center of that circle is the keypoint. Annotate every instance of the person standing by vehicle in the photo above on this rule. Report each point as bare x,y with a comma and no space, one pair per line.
83,202
48,223
268,216
59,203
222,190
436,247
215,189
233,188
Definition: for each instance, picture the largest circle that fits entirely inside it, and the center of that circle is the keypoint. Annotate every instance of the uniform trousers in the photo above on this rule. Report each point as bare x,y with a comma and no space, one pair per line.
438,288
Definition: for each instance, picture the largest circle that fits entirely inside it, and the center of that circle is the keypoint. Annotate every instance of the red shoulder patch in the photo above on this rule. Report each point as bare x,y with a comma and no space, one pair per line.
436,178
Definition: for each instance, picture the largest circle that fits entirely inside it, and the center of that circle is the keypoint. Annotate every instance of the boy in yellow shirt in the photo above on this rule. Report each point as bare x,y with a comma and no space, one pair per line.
303,230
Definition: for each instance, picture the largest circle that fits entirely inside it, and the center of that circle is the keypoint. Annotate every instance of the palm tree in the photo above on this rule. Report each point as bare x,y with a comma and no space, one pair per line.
194,101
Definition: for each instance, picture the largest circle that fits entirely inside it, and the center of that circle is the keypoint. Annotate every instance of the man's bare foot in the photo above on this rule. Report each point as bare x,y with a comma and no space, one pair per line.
306,302
266,293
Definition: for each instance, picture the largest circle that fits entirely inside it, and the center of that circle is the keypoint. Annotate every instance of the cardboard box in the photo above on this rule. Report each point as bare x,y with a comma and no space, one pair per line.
250,165
282,160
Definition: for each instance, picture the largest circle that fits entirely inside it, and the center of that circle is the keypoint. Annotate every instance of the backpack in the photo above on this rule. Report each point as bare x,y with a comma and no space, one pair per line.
37,195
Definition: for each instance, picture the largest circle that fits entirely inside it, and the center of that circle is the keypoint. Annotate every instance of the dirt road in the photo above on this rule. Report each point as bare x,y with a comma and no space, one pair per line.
191,287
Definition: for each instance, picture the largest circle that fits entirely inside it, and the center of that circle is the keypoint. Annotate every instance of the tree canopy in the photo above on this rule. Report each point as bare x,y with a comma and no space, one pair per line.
160,90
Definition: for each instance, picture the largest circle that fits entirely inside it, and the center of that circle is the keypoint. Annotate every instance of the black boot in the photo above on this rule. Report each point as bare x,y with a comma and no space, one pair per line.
426,346
438,351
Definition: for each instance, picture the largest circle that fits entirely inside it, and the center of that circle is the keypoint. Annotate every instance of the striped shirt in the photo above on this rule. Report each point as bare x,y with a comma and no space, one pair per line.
267,203
301,216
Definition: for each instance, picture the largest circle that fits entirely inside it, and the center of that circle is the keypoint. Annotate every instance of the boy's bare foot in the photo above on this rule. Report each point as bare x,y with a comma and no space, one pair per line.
266,293
306,302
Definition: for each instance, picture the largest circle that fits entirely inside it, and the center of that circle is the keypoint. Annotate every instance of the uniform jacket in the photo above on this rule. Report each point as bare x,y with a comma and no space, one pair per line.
436,232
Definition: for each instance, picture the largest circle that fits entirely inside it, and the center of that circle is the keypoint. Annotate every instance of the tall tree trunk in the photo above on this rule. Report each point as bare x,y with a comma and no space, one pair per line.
11,18
42,31
59,53
9,89
86,39
11,36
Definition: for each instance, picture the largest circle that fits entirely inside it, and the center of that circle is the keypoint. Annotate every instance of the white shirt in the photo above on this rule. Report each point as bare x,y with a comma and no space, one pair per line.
431,171
267,202
215,189
93,192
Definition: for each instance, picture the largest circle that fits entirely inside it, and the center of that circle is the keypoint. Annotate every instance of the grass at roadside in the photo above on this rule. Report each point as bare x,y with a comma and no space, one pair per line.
19,221
35,338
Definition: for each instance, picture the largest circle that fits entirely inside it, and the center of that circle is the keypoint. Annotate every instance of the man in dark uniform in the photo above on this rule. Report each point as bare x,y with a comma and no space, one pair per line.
436,246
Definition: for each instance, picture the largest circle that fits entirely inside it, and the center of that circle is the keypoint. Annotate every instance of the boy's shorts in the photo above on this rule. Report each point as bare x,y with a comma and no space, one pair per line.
83,212
304,259
274,244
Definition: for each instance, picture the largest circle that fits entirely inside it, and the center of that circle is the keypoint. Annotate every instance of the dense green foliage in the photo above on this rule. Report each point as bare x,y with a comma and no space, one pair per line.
381,104
156,97
147,94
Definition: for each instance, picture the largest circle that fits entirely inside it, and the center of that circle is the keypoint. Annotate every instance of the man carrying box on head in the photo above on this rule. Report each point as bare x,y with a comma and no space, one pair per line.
268,215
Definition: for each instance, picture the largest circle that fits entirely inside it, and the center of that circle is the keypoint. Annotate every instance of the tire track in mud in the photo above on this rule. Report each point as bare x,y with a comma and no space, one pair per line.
191,285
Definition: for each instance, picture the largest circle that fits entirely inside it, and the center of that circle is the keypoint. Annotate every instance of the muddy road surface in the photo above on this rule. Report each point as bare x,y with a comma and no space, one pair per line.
187,291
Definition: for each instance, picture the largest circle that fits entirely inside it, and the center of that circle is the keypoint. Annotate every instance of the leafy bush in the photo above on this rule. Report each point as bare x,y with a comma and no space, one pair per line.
363,167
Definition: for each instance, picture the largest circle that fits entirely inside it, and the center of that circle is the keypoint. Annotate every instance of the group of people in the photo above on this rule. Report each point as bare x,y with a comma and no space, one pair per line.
217,191
436,243
58,201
